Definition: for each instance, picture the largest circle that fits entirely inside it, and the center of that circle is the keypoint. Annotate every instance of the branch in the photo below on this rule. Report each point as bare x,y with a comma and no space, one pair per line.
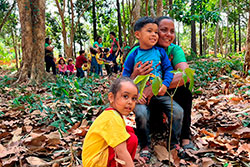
78,21
7,15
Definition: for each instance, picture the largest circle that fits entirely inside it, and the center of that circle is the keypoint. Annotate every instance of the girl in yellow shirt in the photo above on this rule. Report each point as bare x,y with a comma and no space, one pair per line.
108,140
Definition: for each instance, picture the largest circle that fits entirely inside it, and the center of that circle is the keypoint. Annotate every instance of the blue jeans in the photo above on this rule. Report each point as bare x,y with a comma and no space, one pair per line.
79,72
157,106
100,69
94,65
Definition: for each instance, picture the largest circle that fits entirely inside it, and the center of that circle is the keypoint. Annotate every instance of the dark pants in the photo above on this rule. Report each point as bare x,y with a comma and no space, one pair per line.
108,69
153,113
50,63
79,72
183,97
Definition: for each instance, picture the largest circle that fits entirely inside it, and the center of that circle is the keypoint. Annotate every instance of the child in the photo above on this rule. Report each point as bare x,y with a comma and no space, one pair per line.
62,67
70,66
80,60
99,58
146,31
94,64
108,138
108,61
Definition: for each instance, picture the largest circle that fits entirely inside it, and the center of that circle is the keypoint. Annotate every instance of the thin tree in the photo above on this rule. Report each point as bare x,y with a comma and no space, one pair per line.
216,32
193,30
7,15
152,11
247,55
119,22
159,8
94,19
68,44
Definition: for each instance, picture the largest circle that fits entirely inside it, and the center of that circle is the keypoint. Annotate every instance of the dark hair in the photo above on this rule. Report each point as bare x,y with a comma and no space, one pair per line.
159,19
112,33
47,40
100,49
60,56
116,85
81,52
106,50
142,22
92,50
70,60
60,60
97,38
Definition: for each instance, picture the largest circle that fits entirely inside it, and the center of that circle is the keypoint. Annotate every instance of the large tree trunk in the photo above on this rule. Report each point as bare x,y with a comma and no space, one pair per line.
201,52
32,19
159,8
226,42
152,11
119,22
247,55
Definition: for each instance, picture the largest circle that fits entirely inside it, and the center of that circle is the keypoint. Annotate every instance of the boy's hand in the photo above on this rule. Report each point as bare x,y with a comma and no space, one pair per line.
162,90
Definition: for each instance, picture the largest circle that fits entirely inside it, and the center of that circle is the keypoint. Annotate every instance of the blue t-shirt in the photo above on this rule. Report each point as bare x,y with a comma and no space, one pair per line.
161,64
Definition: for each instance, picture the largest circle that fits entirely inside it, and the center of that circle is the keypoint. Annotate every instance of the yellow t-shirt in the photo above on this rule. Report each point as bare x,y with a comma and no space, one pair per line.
99,59
107,130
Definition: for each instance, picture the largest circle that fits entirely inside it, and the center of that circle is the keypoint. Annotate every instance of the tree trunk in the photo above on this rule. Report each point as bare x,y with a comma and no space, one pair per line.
201,51
7,15
226,49
15,49
216,32
32,19
119,22
124,23
247,55
135,17
178,33
239,33
152,11
94,20
159,8
146,7
235,42
193,31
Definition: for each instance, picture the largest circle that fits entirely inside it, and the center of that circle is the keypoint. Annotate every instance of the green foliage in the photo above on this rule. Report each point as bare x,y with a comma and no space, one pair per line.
207,71
73,100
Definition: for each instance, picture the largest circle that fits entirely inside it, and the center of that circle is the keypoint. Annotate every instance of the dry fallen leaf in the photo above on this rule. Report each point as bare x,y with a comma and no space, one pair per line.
35,161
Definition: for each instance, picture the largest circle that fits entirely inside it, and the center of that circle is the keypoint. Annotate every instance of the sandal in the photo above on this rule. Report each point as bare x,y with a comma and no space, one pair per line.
180,151
146,155
190,145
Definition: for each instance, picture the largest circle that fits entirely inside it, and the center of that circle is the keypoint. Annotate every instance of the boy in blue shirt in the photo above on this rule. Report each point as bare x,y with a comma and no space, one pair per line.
146,31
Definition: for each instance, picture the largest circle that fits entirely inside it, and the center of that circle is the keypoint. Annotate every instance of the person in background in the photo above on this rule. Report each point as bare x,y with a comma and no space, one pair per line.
125,50
94,64
114,51
62,67
80,60
107,61
99,58
98,43
49,57
70,67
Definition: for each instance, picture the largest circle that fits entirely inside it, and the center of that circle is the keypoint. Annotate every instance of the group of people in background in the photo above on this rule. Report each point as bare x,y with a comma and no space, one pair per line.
94,61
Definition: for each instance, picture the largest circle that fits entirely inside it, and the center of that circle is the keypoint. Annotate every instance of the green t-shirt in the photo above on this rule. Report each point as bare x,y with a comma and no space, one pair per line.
174,52
100,45
46,45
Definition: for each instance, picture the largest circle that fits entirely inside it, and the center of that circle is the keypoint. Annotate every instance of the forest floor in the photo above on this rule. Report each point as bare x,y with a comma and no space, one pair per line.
35,130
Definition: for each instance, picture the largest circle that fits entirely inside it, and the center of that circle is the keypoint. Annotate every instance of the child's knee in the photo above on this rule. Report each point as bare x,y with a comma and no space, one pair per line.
178,113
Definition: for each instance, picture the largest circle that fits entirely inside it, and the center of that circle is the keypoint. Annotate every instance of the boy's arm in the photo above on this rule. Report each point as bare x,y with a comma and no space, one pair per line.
129,65
122,153
166,68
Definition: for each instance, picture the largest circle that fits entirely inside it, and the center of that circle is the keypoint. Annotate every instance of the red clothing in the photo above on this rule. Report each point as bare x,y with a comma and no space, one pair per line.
80,60
71,67
132,144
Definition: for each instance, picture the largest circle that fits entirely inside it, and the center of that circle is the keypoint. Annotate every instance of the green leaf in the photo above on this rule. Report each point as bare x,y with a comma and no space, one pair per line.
190,74
184,76
65,92
156,85
56,123
76,84
141,81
